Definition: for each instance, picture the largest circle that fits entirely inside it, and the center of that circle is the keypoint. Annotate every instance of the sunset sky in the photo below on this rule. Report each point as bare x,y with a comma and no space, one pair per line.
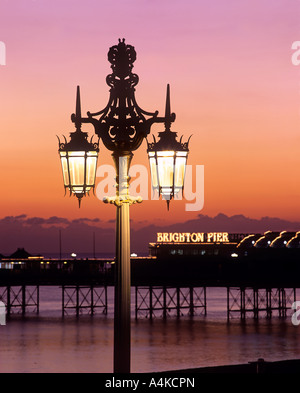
233,86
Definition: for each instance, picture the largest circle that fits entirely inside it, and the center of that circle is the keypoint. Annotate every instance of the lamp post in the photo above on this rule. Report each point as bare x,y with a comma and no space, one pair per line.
122,126
78,159
167,159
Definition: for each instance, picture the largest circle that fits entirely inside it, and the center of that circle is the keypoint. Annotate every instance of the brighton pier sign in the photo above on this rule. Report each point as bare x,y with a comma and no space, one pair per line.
195,237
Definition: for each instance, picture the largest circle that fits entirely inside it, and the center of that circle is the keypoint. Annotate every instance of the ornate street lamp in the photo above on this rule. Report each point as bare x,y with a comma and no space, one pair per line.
122,126
167,159
78,158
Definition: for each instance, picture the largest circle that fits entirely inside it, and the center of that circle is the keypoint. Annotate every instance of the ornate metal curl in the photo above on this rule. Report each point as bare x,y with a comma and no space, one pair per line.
119,200
122,124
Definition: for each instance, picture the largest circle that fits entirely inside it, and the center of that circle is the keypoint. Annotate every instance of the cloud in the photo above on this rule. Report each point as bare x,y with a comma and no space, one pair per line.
54,220
85,220
220,223
12,219
34,221
41,235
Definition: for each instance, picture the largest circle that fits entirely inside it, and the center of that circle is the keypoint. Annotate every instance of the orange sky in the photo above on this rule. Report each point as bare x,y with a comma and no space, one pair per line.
233,86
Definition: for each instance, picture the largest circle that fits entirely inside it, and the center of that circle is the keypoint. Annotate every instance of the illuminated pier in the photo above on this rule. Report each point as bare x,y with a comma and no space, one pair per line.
260,272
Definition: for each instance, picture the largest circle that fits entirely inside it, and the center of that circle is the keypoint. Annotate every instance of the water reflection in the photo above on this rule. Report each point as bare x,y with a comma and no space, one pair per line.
200,342
50,343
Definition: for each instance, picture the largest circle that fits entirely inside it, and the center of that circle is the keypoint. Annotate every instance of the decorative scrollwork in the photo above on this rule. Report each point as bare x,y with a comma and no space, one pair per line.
121,57
122,124
61,145
120,200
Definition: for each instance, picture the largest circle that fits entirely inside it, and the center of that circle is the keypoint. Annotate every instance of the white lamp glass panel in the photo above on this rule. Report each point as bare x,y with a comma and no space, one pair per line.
179,171
166,191
80,189
76,153
165,163
64,165
165,153
181,154
77,168
153,170
91,163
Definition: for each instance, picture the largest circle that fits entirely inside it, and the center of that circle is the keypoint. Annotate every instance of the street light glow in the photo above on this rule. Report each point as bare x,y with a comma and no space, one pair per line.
122,127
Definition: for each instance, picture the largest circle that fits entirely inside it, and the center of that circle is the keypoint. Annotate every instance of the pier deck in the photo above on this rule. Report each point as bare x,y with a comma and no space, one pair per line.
264,282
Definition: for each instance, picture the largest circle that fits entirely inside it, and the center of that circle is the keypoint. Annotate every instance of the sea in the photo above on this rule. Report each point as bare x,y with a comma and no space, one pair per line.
51,343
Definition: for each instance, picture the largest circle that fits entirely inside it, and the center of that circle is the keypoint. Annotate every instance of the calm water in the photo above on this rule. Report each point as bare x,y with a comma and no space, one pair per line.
49,343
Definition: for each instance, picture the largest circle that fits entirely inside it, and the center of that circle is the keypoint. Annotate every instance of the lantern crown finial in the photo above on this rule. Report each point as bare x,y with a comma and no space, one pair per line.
168,158
78,110
78,157
122,57
168,117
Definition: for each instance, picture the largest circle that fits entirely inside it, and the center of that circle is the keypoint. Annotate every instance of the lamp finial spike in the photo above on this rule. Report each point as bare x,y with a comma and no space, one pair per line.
168,109
78,109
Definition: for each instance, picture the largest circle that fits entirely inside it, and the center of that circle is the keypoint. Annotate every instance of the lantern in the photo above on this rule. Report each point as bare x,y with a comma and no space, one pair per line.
167,159
78,159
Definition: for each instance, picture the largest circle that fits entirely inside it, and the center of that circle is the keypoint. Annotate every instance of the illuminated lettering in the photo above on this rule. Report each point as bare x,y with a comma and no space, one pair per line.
175,237
159,237
200,237
219,237
209,236
195,237
225,237
181,237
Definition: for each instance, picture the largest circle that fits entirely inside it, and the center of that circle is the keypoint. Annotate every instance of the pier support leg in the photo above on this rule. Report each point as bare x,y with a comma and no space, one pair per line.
191,301
84,299
164,302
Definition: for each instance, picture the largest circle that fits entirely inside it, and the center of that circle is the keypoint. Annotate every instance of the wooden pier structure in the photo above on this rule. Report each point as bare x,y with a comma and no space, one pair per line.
20,299
79,298
152,302
254,301
258,282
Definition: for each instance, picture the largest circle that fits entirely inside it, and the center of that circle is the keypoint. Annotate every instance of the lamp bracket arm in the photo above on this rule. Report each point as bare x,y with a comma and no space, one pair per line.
103,111
142,111
164,119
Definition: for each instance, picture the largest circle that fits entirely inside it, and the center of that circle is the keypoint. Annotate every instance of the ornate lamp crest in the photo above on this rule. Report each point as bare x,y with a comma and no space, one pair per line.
168,158
122,124
78,158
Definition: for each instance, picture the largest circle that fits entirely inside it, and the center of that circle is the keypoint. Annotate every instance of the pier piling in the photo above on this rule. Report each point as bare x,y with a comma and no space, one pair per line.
163,301
243,301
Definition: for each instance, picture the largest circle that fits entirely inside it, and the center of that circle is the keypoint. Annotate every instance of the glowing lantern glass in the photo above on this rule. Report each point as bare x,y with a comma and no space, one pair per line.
78,159
167,164
168,158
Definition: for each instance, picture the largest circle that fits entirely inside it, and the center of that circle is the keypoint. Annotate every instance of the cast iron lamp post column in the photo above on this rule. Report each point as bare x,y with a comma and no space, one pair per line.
122,126
122,331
